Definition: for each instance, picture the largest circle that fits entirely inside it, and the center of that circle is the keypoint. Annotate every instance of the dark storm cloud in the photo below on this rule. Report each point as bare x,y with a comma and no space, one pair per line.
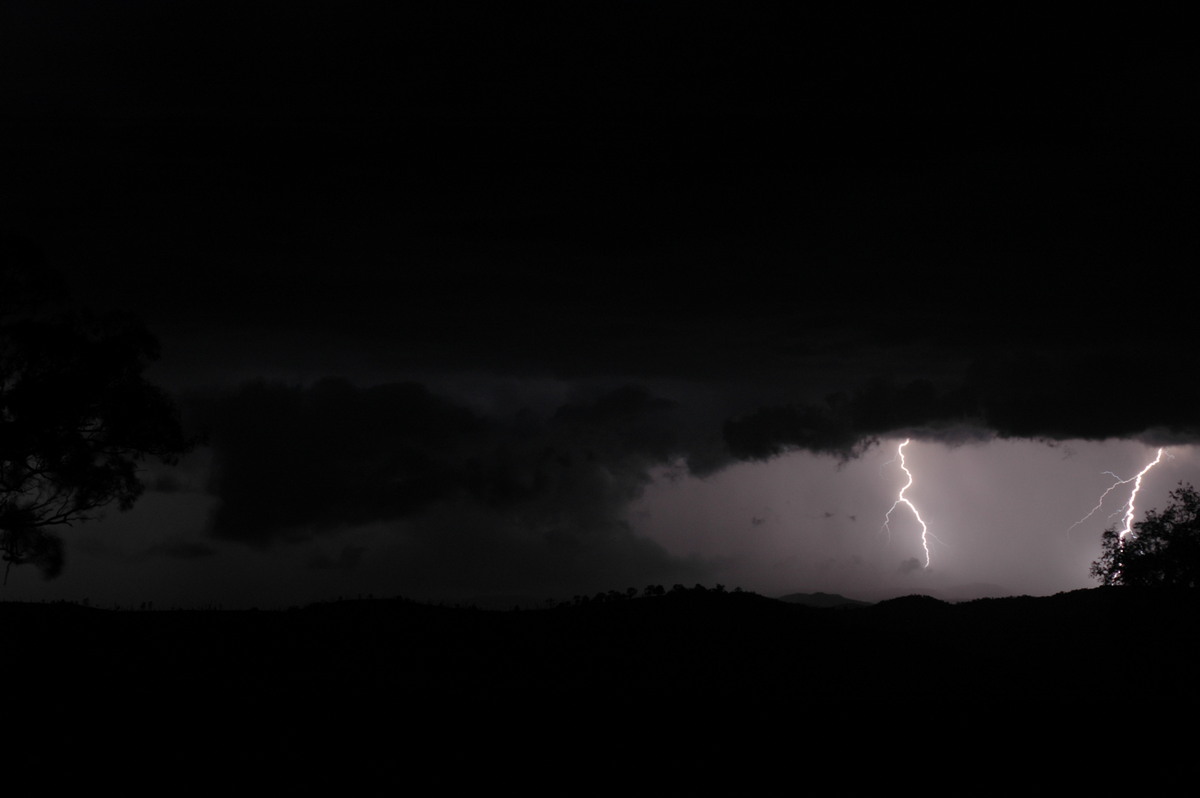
533,495
347,560
290,460
444,185
843,423
1126,390
295,460
182,550
1122,392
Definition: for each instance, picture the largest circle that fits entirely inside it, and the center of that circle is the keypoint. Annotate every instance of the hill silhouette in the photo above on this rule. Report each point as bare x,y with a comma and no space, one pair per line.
406,689
822,600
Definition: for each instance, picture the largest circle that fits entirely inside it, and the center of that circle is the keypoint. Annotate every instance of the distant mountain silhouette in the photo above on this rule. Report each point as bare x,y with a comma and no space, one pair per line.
975,590
823,600
408,691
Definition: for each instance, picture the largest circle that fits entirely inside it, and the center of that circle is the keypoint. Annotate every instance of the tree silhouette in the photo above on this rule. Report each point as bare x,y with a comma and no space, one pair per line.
76,419
1163,548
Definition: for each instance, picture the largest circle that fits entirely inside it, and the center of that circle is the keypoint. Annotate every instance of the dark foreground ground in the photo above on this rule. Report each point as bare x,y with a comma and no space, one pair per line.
672,694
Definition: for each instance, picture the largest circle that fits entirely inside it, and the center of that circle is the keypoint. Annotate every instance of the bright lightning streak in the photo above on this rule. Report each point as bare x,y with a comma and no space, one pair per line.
1137,485
901,499
1129,507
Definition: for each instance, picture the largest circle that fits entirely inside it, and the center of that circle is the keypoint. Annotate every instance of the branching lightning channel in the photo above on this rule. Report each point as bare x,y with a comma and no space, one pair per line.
902,499
1129,507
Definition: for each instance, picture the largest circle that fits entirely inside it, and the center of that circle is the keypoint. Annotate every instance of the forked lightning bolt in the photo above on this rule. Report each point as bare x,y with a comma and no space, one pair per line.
1127,526
901,499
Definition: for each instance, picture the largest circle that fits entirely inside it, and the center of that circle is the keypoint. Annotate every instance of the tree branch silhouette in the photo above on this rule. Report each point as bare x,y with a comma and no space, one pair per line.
1164,549
77,420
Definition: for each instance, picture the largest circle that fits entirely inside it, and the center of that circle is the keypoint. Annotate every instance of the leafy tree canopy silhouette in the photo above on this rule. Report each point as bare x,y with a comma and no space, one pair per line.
77,417
1163,549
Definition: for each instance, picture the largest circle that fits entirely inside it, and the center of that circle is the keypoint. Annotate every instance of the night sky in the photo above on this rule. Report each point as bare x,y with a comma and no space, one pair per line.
523,301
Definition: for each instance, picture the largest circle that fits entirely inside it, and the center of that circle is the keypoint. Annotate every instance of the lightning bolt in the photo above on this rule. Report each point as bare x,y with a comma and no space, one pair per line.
1130,509
901,499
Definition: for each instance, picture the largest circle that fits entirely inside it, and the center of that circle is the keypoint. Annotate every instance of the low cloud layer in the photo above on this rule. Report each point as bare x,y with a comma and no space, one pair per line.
537,498
1090,395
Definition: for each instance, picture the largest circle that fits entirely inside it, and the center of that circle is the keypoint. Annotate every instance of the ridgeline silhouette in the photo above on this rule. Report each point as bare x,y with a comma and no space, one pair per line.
393,692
